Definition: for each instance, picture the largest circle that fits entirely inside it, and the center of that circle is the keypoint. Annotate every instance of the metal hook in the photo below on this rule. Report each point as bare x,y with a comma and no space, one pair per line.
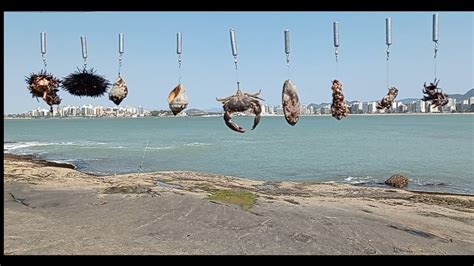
84,50
435,33
336,38
121,43
121,51
179,47
388,34
43,48
287,46
233,44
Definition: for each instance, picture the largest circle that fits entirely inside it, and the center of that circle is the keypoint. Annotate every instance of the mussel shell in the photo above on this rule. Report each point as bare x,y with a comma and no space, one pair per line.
177,99
339,108
119,91
290,102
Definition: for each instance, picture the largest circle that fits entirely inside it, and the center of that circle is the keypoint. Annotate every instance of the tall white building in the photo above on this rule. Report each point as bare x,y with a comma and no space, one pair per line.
420,106
372,108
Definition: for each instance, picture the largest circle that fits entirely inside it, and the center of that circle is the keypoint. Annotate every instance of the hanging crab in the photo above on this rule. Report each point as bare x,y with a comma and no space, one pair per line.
44,85
388,99
339,108
434,94
119,91
85,83
241,102
177,99
291,103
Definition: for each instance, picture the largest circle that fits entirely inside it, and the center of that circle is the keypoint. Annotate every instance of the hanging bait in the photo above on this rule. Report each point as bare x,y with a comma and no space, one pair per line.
85,82
289,95
43,84
339,108
388,99
119,89
241,102
434,94
177,99
291,103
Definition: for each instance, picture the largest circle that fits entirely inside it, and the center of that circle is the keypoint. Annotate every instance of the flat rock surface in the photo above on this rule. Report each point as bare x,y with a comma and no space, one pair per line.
56,210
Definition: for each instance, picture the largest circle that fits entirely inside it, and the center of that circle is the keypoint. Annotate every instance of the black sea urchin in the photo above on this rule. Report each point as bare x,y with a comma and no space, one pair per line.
85,83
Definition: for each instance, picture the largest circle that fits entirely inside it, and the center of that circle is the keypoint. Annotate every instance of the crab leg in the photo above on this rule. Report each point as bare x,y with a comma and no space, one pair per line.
257,110
223,99
253,95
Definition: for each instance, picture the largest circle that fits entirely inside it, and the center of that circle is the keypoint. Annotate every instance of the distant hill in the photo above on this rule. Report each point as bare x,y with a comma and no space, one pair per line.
460,97
195,111
214,110
317,106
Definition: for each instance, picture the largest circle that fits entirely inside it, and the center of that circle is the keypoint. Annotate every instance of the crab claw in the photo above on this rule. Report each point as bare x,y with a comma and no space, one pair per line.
232,125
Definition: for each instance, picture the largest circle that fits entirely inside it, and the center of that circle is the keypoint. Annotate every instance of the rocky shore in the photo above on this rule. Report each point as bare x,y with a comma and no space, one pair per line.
51,208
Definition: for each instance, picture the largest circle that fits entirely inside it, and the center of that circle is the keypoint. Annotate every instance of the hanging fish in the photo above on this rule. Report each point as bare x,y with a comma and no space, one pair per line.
177,99
85,83
44,85
119,91
388,99
291,103
339,108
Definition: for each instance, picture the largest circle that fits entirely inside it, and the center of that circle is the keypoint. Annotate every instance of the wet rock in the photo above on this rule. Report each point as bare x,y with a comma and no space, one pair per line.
397,180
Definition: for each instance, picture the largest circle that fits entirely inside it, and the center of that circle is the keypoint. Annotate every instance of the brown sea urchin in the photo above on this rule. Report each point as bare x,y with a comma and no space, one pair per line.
85,83
44,85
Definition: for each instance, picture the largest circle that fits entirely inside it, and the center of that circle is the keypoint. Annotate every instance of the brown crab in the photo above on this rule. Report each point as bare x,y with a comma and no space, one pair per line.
388,99
241,102
434,94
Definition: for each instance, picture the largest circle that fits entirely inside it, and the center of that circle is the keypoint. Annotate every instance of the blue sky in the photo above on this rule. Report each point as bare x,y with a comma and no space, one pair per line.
150,60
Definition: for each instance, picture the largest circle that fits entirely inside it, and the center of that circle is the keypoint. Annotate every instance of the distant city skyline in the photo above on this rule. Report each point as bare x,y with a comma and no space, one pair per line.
150,60
465,105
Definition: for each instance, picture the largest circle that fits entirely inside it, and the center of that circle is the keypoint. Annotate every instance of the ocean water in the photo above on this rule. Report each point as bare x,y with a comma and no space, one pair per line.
434,151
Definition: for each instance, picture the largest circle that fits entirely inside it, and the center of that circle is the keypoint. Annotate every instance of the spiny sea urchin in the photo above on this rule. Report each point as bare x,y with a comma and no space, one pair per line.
85,83
39,83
